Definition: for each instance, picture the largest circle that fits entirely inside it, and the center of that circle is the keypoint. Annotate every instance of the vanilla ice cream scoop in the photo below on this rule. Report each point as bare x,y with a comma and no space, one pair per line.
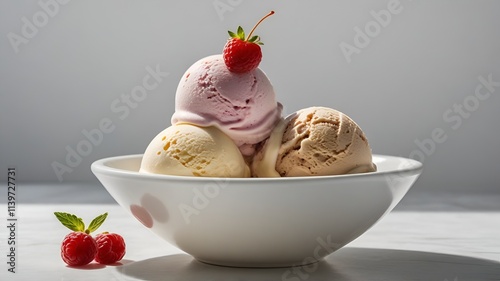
314,141
188,150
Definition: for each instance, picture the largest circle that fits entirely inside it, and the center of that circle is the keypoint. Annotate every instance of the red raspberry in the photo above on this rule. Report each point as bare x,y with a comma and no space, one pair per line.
78,248
110,248
243,54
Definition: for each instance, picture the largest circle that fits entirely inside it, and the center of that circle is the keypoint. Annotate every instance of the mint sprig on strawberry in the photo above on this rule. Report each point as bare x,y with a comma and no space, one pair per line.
242,53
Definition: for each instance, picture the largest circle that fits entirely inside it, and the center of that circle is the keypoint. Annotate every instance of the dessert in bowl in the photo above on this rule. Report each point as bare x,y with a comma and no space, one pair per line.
234,183
258,222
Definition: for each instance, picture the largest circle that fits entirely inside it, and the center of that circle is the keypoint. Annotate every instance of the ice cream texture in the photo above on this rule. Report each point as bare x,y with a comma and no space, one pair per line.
188,150
242,105
314,141
227,123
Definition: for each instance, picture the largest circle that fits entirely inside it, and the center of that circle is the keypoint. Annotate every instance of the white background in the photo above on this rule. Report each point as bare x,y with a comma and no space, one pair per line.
87,54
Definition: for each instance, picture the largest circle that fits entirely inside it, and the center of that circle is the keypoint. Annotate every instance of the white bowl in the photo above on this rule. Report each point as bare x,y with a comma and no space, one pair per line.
258,222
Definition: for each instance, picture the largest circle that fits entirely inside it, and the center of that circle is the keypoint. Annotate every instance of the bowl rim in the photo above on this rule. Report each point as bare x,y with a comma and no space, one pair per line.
411,167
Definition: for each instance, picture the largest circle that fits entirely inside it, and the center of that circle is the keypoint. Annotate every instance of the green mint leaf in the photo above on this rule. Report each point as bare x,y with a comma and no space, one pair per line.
95,223
70,221
232,34
241,33
253,39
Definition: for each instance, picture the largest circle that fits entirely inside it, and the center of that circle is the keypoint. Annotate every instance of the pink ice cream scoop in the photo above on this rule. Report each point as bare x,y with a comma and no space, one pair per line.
242,105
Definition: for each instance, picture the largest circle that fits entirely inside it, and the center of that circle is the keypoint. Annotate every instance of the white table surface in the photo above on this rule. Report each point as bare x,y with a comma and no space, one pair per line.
455,238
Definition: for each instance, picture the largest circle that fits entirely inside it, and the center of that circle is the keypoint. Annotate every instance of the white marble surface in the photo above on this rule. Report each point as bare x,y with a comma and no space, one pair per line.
424,244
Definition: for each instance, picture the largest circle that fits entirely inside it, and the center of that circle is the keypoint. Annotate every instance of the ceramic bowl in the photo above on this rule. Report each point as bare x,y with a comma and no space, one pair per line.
258,222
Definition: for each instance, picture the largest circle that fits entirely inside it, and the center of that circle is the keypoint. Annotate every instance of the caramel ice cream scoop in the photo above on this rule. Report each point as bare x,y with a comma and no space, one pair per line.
314,141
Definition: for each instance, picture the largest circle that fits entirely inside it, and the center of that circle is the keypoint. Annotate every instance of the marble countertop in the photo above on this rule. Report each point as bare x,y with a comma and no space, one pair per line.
452,237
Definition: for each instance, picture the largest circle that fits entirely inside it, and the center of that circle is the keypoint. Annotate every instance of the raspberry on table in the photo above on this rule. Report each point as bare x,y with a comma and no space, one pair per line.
110,248
78,248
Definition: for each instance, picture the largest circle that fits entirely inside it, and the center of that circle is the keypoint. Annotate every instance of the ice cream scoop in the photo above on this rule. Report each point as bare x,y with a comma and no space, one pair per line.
242,105
188,150
314,141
